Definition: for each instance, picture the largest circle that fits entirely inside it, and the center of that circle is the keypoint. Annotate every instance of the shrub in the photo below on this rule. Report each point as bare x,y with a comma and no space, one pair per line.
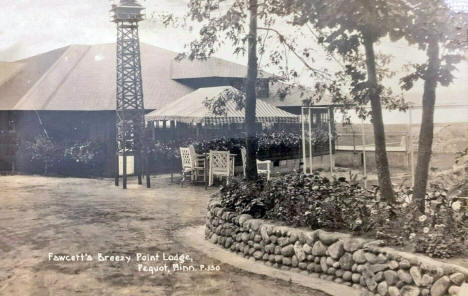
317,202
439,232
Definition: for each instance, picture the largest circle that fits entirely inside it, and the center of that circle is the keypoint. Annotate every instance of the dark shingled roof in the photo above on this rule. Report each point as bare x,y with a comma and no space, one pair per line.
82,78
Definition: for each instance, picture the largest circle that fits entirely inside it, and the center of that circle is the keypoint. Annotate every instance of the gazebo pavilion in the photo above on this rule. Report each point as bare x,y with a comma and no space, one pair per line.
191,116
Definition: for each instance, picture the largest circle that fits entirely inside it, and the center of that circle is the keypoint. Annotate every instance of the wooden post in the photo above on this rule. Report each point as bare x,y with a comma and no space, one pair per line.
116,160
364,153
354,142
410,123
138,166
310,141
304,163
330,146
124,169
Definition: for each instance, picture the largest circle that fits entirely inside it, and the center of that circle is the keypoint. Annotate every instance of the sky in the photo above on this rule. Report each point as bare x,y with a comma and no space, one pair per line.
30,27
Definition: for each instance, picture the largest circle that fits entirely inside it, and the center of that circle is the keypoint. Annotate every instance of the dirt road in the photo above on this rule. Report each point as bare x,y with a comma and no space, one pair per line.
69,217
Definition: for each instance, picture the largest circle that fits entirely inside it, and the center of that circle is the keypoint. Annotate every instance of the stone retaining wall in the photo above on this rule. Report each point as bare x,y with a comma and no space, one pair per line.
342,258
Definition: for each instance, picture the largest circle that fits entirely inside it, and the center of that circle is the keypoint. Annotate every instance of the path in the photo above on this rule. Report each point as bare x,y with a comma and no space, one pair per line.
39,215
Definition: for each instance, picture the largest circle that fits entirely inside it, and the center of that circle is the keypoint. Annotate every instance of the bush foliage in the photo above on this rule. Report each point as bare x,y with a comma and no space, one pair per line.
338,205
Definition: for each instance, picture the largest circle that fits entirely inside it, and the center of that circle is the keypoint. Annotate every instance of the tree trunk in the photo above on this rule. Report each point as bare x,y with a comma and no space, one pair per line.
426,134
250,104
381,160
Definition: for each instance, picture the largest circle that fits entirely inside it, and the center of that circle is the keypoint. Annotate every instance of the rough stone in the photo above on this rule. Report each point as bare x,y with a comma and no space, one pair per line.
370,258
356,277
382,288
405,276
379,276
346,261
299,251
362,281
264,233
381,258
359,257
457,278
293,238
273,239
271,258
270,249
243,218
393,291
415,273
294,261
410,291
257,238
331,271
302,238
339,272
371,284
228,242
307,249
214,238
336,250
453,290
323,264
283,241
378,267
287,251
393,265
425,292
404,264
440,286
286,261
311,237
327,237
426,280
302,265
255,224
330,261
369,278
278,258
319,249
352,244
277,250
347,275
391,277
258,255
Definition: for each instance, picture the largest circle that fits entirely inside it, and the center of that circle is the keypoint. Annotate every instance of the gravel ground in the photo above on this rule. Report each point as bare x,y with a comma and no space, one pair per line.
67,216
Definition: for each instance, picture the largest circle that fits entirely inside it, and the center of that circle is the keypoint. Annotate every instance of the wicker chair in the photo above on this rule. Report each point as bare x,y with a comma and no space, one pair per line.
199,168
221,165
263,166
187,164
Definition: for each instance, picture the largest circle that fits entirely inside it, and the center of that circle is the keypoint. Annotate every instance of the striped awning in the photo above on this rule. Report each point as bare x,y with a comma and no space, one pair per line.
192,108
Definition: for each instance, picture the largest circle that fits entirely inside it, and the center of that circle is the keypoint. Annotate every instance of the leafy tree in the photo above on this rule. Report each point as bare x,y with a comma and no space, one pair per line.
433,27
251,97
227,20
351,29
